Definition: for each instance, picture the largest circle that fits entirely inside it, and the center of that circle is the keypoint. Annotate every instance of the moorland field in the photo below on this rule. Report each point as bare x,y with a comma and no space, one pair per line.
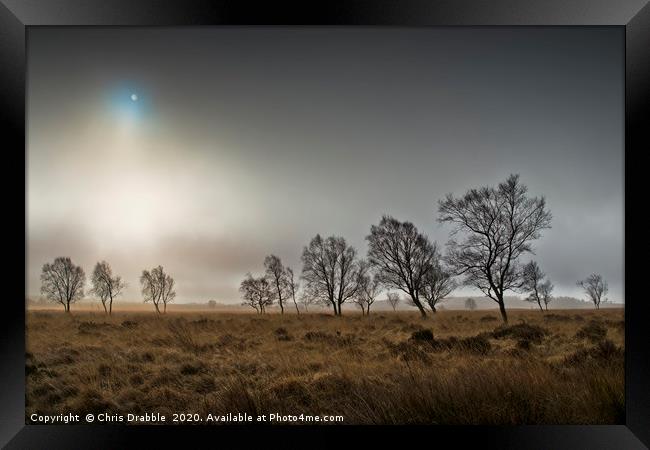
458,367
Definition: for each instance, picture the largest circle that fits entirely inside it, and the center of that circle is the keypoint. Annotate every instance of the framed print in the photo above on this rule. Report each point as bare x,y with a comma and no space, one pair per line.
289,222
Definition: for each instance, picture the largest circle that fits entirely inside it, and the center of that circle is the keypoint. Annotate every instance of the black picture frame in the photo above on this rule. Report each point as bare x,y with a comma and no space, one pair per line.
16,16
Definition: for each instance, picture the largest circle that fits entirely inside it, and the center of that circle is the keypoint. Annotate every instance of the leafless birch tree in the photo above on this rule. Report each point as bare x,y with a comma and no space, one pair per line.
277,276
402,257
330,271
293,287
157,287
368,288
493,227
438,284
63,282
539,289
595,287
105,285
393,299
258,293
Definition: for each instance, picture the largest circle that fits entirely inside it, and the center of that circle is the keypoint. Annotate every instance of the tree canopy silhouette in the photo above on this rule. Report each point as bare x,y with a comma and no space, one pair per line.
105,285
157,287
63,282
595,287
493,228
330,271
402,256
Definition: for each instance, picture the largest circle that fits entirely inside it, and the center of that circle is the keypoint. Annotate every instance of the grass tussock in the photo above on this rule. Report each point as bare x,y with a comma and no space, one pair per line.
594,331
388,368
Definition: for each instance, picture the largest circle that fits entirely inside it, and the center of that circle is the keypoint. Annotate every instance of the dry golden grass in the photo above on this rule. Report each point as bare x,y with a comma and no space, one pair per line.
564,367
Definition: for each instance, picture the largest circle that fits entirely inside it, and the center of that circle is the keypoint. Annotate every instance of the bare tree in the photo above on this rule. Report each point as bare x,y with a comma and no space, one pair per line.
595,287
293,287
368,288
360,300
212,304
248,289
105,285
63,282
546,293
150,289
257,293
393,299
470,304
157,287
538,288
438,284
330,270
306,300
495,226
402,256
168,292
277,275
359,297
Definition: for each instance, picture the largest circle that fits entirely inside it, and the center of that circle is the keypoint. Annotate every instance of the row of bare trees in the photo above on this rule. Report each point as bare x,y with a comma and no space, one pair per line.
277,284
399,257
492,228
64,282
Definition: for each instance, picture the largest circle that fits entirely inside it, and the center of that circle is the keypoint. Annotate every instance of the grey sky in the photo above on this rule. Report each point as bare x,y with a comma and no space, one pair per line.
249,141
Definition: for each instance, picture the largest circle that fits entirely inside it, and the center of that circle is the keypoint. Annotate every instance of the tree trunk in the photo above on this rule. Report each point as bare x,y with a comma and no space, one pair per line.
540,306
433,308
157,309
110,308
297,310
104,305
281,307
416,302
67,306
164,307
502,309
